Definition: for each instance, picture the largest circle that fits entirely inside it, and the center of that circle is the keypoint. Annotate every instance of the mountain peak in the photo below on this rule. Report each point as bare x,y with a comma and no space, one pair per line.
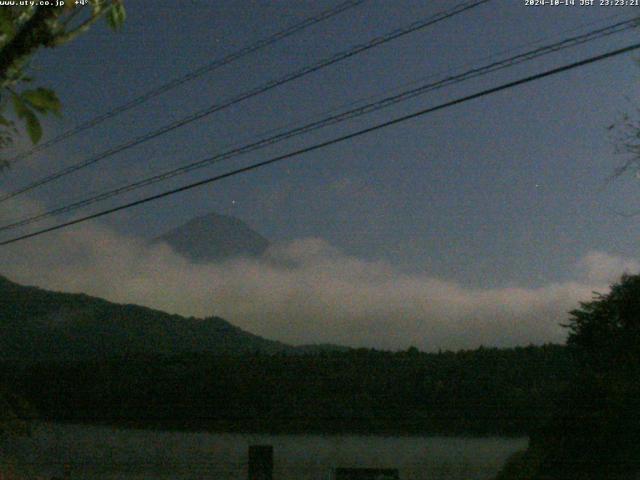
214,237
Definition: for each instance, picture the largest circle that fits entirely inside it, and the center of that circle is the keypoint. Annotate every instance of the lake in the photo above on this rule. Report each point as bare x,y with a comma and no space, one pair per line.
106,453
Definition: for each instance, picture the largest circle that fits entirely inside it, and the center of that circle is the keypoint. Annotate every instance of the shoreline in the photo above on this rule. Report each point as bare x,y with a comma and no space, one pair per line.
222,427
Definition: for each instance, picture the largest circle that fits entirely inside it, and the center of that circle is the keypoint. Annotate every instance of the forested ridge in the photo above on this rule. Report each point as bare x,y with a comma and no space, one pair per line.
485,391
79,358
40,325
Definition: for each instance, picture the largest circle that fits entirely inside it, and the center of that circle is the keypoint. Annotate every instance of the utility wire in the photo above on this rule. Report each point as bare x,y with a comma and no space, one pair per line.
333,141
338,118
176,82
252,93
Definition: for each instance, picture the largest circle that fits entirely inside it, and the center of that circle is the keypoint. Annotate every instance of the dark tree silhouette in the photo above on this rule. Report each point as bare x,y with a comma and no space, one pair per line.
595,431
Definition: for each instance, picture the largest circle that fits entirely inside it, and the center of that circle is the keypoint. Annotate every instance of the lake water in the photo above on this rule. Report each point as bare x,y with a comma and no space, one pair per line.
104,453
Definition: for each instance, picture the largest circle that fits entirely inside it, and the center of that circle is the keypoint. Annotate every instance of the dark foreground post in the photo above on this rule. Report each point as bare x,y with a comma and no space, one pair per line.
260,462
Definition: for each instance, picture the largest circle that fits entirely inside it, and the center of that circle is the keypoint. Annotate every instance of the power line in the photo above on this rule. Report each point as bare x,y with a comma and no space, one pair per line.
395,34
176,82
334,119
333,141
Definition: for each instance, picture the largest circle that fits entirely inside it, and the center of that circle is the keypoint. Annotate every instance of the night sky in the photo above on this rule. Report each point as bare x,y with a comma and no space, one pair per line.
504,191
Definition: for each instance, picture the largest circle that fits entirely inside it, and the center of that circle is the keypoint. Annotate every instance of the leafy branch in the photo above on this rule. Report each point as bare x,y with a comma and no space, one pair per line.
24,30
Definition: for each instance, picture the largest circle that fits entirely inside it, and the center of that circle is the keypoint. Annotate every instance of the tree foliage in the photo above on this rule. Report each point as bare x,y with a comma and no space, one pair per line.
595,430
24,30
605,332
485,391
625,134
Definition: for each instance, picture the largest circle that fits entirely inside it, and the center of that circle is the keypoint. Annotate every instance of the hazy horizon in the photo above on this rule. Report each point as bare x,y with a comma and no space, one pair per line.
309,291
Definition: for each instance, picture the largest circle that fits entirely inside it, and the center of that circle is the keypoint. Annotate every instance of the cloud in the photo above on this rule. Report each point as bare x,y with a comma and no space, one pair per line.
602,267
307,291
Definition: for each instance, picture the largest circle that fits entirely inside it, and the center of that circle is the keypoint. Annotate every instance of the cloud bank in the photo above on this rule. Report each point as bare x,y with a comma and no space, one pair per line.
307,291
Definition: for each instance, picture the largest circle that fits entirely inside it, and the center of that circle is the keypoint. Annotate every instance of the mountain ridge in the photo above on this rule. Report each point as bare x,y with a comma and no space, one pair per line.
214,237
43,325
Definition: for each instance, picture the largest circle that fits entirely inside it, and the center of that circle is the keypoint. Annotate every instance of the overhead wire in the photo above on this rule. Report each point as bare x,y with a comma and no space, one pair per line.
192,75
337,118
377,41
333,141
